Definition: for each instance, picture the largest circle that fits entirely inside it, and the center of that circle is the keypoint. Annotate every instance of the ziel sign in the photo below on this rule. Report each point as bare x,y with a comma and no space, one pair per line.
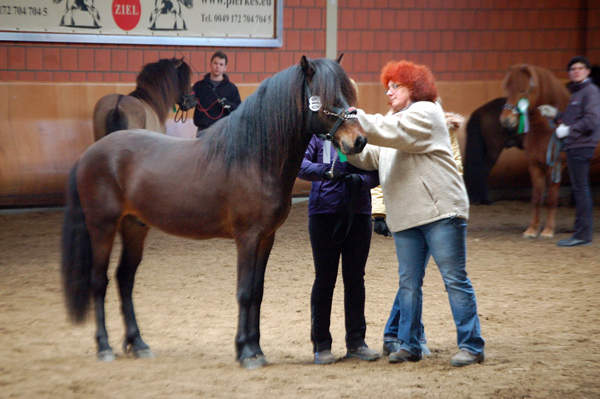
255,23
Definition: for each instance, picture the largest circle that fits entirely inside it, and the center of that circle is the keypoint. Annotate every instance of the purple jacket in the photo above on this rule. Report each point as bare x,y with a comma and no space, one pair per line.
582,115
335,196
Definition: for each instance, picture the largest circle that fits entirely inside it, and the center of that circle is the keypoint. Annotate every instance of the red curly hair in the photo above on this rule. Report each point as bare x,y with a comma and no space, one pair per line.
417,78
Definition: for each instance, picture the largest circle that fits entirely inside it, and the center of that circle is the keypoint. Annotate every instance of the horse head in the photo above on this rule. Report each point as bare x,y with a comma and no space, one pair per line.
186,99
330,98
521,89
526,88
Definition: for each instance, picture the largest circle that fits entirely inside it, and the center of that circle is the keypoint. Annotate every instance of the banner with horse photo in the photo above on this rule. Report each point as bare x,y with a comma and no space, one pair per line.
176,22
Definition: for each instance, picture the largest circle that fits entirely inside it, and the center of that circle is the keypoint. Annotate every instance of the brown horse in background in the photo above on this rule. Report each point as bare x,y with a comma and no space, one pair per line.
538,86
159,86
235,181
485,140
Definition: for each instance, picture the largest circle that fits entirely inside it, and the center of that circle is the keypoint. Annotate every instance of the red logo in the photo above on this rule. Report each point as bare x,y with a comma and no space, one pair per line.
126,13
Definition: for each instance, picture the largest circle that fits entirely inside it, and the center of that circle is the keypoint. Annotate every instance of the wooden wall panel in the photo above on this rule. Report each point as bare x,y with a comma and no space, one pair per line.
44,127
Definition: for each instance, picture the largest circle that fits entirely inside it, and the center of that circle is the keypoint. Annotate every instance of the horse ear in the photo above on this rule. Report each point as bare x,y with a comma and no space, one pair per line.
339,59
533,77
307,67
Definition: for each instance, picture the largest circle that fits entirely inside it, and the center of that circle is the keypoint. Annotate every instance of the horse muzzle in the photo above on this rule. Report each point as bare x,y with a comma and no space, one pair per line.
508,119
187,101
354,147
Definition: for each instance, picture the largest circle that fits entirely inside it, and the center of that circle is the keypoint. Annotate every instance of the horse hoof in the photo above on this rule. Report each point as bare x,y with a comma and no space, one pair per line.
253,362
106,356
529,235
143,354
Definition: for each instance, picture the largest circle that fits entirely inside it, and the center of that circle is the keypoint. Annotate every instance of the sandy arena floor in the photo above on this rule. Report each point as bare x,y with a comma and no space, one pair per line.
539,306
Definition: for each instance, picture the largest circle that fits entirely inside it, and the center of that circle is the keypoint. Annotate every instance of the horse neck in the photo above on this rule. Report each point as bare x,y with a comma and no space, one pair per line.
537,139
551,90
159,105
291,166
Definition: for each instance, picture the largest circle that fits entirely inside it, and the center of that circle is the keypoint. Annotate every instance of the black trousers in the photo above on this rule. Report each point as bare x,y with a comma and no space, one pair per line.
332,236
578,161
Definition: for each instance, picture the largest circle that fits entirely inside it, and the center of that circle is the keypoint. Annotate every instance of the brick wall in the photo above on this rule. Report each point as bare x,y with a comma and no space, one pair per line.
304,33
467,39
459,39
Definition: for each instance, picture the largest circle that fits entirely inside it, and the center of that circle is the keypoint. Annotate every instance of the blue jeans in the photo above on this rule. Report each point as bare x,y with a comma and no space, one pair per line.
445,240
578,161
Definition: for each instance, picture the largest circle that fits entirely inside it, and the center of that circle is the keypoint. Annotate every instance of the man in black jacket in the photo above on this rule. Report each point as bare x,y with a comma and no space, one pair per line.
580,128
217,96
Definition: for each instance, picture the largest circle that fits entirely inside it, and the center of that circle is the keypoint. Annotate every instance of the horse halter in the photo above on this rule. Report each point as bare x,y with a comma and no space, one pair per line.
342,115
520,109
186,102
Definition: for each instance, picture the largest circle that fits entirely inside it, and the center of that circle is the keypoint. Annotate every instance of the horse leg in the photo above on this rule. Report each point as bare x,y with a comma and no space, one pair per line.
102,241
253,254
538,181
133,234
153,16
95,16
552,205
71,16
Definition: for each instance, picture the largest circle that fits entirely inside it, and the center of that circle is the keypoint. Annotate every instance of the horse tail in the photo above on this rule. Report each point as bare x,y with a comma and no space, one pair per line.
76,255
475,170
115,118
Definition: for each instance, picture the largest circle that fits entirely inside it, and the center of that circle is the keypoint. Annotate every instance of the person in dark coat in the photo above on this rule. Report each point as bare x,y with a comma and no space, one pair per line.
217,95
339,224
580,130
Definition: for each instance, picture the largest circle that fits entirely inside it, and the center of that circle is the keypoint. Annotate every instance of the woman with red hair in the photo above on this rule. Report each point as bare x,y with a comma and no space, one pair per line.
427,209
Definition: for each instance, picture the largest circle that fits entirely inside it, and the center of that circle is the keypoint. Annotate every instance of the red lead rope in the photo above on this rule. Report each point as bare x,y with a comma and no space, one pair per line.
205,110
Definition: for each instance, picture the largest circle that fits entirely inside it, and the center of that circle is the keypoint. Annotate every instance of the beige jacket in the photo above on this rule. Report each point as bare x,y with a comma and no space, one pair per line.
418,174
377,204
453,122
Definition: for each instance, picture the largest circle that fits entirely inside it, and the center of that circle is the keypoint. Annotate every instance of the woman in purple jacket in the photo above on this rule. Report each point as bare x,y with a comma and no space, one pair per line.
339,223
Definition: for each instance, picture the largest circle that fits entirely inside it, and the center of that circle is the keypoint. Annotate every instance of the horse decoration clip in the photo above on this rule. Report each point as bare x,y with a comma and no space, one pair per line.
314,103
522,107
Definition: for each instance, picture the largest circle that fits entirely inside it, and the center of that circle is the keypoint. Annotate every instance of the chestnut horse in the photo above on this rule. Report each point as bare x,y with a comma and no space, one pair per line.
159,86
235,181
485,140
526,88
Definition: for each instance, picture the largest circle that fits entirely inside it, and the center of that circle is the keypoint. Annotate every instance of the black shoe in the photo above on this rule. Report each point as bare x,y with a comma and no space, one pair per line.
403,356
363,353
572,242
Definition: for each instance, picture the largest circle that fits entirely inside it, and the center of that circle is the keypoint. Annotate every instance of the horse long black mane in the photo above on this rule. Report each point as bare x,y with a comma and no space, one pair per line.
274,116
159,82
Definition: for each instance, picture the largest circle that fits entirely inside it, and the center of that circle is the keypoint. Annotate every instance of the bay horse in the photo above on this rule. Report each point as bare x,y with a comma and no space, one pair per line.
527,87
235,181
159,86
485,140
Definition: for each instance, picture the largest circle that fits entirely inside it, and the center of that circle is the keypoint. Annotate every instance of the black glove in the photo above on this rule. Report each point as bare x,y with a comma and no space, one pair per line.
380,226
353,178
